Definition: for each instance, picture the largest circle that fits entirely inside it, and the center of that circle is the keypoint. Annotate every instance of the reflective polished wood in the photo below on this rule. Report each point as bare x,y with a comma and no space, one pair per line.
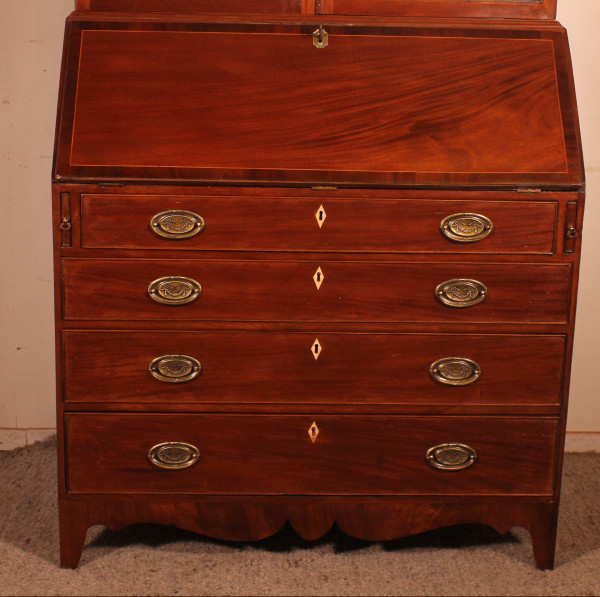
315,377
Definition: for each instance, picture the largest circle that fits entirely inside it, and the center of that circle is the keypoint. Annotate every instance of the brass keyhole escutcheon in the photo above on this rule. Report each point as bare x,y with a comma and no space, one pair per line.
313,432
320,38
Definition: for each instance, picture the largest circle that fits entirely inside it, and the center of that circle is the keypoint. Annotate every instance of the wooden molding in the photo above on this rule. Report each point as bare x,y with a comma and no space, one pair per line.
518,9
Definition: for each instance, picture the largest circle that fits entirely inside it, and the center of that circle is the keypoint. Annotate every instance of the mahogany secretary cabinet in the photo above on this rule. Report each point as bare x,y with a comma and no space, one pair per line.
315,262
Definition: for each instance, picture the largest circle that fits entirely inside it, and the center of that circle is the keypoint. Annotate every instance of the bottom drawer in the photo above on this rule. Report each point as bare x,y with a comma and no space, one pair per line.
323,455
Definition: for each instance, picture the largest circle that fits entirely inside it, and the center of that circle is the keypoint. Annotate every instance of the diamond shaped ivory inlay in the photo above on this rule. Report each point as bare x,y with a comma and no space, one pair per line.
313,431
318,278
320,216
316,349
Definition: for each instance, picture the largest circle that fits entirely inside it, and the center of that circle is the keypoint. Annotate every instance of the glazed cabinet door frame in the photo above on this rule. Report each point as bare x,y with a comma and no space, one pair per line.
524,9
491,9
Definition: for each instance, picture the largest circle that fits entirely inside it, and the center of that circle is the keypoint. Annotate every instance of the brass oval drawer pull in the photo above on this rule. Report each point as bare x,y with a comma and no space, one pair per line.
451,457
175,368
461,293
174,290
466,228
177,224
173,455
455,371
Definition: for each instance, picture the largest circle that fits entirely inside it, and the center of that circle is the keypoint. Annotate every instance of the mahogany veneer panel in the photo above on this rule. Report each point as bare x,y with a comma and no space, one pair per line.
105,289
455,8
412,113
271,454
264,104
352,368
290,224
197,6
527,9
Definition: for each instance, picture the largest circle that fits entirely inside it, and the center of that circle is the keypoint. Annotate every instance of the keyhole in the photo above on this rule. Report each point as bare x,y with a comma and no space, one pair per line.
318,276
316,349
320,215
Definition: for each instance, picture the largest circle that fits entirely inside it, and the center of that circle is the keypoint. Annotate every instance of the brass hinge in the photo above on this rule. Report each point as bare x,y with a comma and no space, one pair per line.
529,190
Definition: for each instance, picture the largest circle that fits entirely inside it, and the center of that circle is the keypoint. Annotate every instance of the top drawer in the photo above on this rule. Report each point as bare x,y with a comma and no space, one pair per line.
317,224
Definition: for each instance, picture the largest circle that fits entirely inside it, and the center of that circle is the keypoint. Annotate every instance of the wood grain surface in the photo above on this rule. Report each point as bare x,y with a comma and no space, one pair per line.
198,6
526,9
105,289
270,454
352,368
457,104
264,104
291,224
251,519
438,8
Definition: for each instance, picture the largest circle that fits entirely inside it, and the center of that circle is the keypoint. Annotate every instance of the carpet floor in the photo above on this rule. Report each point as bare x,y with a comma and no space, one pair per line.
155,560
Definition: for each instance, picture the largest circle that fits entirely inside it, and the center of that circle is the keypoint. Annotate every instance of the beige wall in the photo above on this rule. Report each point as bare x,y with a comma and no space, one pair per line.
581,17
31,38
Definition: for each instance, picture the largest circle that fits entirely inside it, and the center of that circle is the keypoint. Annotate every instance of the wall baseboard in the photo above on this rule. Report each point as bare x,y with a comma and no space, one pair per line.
17,438
579,441
10,439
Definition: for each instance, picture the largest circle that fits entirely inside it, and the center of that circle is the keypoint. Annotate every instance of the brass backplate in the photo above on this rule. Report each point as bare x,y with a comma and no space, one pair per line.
461,293
177,224
466,227
455,371
451,457
175,368
173,455
174,290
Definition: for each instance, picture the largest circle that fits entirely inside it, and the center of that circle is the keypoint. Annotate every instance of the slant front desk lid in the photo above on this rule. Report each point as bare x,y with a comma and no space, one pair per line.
261,103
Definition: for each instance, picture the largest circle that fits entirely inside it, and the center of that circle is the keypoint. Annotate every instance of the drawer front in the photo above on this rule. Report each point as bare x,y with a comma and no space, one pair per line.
305,455
313,224
105,289
320,367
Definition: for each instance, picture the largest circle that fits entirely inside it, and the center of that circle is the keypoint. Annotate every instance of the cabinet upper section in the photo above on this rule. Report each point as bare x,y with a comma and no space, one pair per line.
381,104
520,9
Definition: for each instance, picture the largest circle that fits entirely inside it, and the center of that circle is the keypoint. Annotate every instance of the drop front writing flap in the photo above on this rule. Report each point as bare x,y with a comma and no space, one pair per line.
260,103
